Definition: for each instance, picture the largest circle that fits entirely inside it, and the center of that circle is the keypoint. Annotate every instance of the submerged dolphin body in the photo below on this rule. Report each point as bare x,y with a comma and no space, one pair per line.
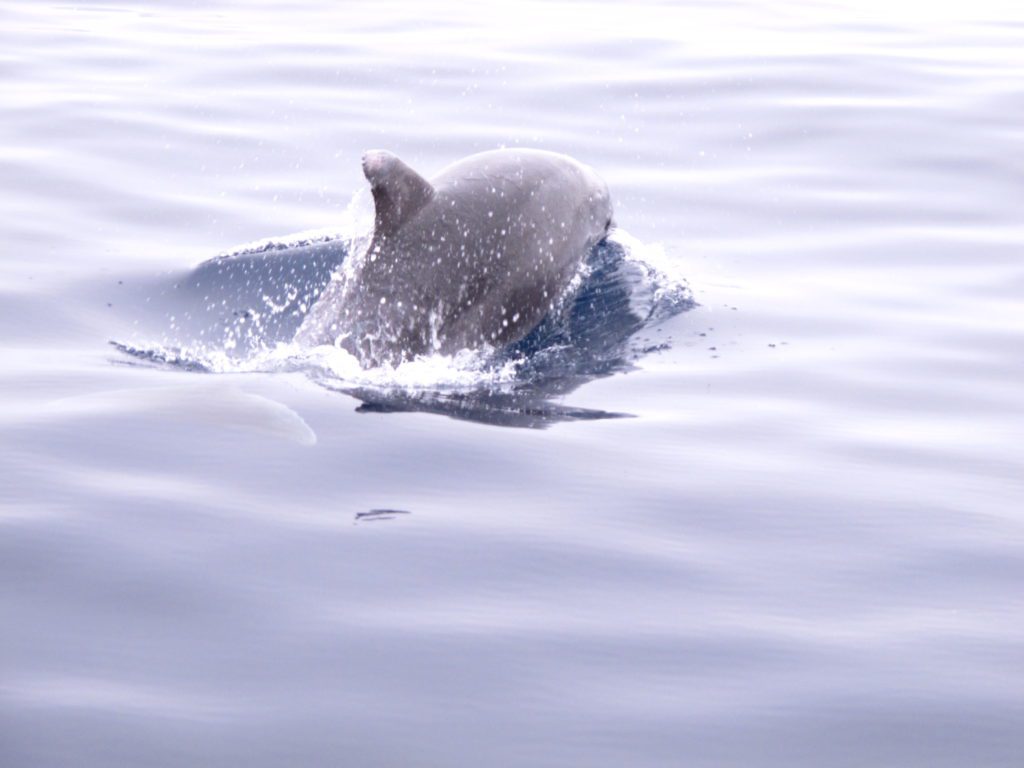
476,257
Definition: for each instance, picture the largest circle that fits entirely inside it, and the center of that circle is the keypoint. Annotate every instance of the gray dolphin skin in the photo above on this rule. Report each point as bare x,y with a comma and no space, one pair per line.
477,256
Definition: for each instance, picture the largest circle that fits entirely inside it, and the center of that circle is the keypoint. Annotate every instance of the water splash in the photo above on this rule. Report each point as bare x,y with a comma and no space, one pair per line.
239,313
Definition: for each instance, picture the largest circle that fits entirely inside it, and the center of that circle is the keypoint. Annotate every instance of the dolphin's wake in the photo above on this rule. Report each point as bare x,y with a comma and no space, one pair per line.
239,312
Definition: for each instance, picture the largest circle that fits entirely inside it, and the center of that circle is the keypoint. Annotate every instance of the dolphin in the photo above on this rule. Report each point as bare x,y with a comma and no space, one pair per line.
476,257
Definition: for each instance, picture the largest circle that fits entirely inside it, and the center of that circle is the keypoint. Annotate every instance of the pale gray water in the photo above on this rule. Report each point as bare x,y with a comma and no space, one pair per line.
806,547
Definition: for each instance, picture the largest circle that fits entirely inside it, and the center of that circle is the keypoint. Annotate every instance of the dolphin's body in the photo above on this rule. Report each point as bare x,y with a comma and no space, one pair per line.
476,257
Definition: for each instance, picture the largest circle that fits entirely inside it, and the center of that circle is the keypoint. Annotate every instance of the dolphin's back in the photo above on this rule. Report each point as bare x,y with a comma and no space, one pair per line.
481,260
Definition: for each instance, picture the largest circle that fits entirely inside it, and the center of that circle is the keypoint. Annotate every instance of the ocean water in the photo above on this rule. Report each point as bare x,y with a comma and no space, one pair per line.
774,519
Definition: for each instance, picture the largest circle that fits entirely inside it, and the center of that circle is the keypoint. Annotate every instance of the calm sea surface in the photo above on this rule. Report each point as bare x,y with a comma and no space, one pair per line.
806,548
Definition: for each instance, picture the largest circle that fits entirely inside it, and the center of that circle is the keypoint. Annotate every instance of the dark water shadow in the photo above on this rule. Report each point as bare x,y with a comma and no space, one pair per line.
525,409
380,515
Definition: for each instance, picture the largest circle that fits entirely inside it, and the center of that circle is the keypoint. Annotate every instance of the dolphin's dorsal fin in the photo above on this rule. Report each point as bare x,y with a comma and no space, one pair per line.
398,191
